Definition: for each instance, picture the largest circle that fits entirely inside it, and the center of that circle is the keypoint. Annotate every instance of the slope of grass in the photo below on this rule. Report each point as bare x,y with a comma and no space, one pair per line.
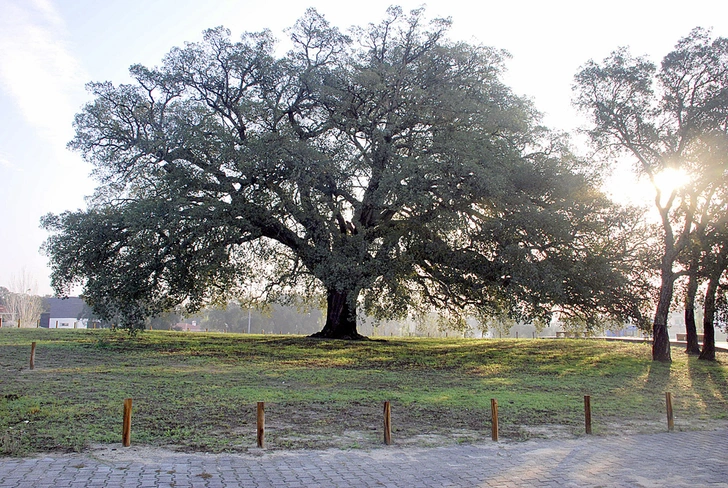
198,391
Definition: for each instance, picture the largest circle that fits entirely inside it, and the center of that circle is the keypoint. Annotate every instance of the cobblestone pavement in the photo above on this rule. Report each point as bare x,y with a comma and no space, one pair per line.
677,459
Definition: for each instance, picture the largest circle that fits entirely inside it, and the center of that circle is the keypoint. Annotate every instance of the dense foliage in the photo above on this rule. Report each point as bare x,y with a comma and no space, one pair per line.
389,169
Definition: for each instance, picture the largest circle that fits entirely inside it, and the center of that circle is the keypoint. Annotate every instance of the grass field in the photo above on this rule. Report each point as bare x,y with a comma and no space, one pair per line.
194,391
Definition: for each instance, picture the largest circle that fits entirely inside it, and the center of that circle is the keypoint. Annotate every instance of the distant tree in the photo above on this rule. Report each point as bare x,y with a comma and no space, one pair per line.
22,299
500,325
681,125
390,170
166,320
229,318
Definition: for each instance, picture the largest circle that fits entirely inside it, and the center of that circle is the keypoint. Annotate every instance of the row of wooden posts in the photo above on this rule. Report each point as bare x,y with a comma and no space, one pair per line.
260,420
126,431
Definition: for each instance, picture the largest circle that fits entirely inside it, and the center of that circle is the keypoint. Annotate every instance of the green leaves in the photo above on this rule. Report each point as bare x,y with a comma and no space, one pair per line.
392,165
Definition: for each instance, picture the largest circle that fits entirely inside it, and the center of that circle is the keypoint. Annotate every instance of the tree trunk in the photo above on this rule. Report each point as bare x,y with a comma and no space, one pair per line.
691,330
660,337
708,351
340,317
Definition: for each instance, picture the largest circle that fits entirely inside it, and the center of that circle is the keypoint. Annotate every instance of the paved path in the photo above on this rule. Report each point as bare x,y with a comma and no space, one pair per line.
678,459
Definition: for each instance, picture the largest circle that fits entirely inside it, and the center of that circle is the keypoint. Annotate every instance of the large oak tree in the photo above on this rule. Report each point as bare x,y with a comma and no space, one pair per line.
389,168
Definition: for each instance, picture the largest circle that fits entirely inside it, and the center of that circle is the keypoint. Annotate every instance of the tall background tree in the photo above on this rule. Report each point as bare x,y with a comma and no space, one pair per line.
22,300
388,169
674,119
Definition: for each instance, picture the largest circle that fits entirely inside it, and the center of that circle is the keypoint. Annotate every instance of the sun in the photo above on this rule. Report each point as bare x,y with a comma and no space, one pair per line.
669,180
624,186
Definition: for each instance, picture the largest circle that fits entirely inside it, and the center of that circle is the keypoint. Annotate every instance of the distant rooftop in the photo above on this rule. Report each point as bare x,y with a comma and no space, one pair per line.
71,307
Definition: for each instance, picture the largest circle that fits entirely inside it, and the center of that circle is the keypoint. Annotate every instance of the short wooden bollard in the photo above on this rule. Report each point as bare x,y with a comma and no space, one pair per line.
494,417
587,414
670,416
126,434
387,423
32,355
261,424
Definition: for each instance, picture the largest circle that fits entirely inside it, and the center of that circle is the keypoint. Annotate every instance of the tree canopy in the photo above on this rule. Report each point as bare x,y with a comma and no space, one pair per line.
671,119
388,168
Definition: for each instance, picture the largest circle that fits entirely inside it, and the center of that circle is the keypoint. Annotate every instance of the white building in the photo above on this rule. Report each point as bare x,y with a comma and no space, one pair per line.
65,313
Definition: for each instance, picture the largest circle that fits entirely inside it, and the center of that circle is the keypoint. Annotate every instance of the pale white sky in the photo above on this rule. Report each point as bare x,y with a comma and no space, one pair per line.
50,48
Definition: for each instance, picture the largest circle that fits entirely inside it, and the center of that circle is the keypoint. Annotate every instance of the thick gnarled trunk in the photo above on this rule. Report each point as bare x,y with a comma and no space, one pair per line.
340,317
691,330
660,337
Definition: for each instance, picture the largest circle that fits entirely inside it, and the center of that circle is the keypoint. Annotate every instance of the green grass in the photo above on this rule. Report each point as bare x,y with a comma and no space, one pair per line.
198,391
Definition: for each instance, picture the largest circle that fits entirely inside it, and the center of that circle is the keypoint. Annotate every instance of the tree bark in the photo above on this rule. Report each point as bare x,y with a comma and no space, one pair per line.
708,351
660,337
340,317
691,331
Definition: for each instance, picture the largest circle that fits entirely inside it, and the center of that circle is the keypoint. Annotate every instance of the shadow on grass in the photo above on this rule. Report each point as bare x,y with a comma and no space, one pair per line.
200,390
658,377
709,380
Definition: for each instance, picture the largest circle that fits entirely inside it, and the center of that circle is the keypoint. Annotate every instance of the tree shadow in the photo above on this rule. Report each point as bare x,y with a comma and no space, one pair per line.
709,381
658,376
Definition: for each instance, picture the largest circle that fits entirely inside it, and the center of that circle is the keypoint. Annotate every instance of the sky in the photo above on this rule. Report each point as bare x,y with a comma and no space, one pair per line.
49,49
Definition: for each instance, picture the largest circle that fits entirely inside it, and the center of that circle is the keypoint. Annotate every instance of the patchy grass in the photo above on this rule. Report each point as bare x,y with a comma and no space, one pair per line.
198,392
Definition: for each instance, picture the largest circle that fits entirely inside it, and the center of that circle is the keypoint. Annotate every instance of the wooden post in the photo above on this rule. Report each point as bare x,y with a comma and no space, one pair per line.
387,423
1,322
261,425
494,416
32,355
587,414
126,434
670,416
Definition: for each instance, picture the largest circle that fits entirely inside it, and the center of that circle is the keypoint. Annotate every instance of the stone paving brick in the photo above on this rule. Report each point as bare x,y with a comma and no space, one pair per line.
654,460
